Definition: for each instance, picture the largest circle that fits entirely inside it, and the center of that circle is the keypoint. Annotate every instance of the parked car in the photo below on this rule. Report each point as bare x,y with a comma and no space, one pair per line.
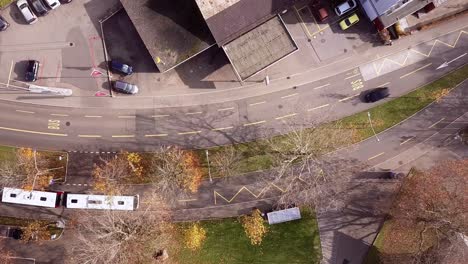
345,7
3,24
65,1
39,7
349,21
376,94
121,67
52,4
320,12
32,70
26,11
124,87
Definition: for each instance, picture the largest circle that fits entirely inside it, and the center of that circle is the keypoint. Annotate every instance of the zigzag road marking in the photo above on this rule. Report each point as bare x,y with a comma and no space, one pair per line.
244,188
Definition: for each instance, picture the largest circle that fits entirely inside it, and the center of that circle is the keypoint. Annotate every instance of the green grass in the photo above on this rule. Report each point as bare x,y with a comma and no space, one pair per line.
4,3
254,154
226,242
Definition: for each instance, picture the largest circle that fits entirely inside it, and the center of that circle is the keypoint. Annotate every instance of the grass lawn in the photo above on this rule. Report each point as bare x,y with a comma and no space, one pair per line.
7,153
254,154
226,242
4,3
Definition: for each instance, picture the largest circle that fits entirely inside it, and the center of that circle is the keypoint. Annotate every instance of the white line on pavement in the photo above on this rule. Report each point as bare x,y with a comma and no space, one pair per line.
431,126
285,116
226,109
378,155
347,98
406,141
257,103
318,107
255,123
289,95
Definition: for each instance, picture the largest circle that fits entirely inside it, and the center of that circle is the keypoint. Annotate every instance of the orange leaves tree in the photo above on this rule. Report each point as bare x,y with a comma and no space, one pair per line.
109,175
254,227
35,230
194,236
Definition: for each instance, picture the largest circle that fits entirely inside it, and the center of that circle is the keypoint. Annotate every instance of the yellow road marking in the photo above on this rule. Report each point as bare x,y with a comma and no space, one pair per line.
384,84
127,116
123,136
318,107
255,123
406,141
290,95
26,112
189,133
221,128
33,132
193,113
305,26
352,76
257,103
92,116
285,116
418,69
58,115
156,135
89,136
347,98
156,116
226,109
322,86
373,157
431,126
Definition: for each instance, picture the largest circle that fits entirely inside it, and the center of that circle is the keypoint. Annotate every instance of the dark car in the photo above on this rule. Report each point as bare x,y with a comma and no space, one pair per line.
32,71
65,1
376,94
319,11
463,135
3,24
117,66
124,87
39,7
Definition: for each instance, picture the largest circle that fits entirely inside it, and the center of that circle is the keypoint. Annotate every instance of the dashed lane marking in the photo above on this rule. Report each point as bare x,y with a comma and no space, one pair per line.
187,200
89,136
92,116
189,132
257,103
222,128
285,116
418,69
352,76
406,141
33,132
225,109
442,119
193,113
26,112
58,115
127,116
255,123
289,95
378,155
156,135
318,107
347,98
123,136
384,84
158,116
322,86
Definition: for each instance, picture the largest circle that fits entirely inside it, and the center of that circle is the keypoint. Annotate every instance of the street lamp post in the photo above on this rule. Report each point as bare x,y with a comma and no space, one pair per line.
209,168
370,122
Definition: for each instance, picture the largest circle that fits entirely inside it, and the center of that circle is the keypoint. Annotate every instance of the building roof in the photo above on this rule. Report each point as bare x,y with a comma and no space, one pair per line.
228,19
260,48
390,11
172,30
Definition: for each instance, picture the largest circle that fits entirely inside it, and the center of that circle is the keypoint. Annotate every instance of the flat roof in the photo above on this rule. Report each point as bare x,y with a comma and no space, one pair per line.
89,201
260,48
285,215
172,30
37,198
228,19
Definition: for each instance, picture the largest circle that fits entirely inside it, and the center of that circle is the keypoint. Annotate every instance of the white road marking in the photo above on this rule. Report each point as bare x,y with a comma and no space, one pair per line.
378,155
92,116
189,132
318,107
255,123
89,136
156,135
285,116
127,116
26,112
289,95
322,86
58,115
431,126
257,103
384,84
221,128
226,109
406,141
347,98
352,76
193,113
123,136
158,116
418,69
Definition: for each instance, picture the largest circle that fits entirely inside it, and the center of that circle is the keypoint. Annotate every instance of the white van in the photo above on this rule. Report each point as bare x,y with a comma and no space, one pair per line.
26,11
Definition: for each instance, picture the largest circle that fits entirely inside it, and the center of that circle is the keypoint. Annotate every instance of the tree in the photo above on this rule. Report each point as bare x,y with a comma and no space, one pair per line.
122,237
35,231
110,174
254,227
225,162
194,236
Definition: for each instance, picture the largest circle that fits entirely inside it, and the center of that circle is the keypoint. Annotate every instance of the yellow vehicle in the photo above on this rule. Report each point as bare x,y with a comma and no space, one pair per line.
349,21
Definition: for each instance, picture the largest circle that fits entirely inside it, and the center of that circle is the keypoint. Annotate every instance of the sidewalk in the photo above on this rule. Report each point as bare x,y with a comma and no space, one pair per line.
253,89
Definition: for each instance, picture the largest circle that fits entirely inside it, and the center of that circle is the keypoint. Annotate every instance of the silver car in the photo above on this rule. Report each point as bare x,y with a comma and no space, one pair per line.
26,11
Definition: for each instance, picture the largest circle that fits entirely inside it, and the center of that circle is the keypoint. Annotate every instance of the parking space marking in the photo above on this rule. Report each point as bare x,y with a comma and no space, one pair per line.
92,116
32,132
190,132
158,116
322,86
89,136
318,107
285,116
255,123
347,98
225,109
126,116
25,112
193,113
58,115
222,128
418,69
406,141
442,119
156,135
257,103
384,84
123,136
352,76
289,95
9,74
378,155
304,25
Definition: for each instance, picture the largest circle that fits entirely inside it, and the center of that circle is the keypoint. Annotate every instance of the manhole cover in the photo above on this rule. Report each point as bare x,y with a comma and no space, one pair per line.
67,123
323,40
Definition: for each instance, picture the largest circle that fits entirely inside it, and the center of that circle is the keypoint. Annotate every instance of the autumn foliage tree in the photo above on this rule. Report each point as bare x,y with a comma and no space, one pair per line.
35,231
254,227
194,236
